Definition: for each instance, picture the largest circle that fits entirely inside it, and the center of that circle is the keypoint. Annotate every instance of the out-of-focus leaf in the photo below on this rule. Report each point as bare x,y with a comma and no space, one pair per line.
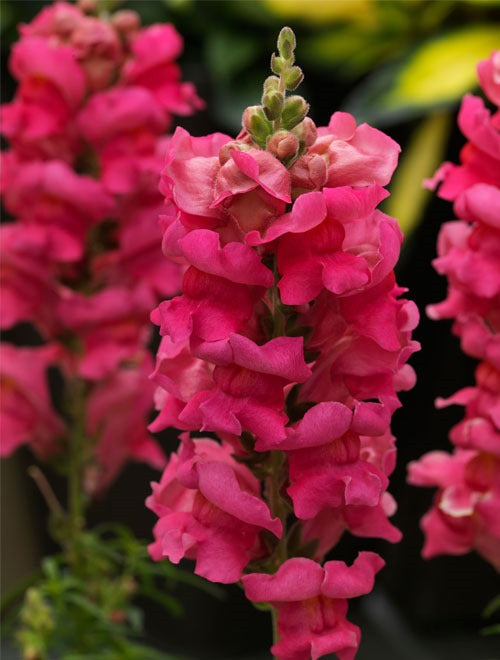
420,159
354,49
442,70
492,607
229,53
319,12
435,76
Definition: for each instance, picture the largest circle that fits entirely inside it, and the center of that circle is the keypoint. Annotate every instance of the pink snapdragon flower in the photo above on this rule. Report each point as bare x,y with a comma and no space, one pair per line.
311,602
27,414
465,512
82,258
289,341
209,509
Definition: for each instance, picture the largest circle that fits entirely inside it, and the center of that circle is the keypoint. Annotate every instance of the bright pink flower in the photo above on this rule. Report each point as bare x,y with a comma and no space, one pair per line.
152,66
312,604
354,156
27,415
248,393
209,309
210,510
29,290
465,513
110,324
351,247
51,194
364,342
179,376
489,77
118,408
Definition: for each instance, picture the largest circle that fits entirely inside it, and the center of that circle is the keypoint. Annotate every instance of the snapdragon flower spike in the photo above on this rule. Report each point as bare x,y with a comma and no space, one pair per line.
290,342
463,517
82,260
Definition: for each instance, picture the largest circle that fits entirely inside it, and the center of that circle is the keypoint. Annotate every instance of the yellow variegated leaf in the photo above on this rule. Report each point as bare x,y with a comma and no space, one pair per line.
443,69
421,158
321,11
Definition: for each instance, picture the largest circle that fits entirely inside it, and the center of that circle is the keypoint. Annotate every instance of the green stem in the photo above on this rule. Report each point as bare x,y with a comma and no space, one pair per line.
276,636
76,445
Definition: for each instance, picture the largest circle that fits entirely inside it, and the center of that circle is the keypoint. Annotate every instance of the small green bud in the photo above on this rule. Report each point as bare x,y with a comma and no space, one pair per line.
273,103
294,111
256,123
278,64
286,43
293,77
271,83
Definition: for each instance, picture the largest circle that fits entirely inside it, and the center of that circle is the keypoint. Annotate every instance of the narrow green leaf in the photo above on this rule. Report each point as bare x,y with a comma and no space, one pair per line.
420,160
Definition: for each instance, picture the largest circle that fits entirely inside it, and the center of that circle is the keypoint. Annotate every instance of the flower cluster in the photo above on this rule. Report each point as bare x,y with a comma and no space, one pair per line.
465,512
81,260
289,342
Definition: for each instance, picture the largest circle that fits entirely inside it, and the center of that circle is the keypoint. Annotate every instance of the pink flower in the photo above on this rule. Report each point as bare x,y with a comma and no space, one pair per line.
238,193
364,343
209,509
354,156
29,290
111,326
489,77
118,408
312,604
465,514
52,195
248,391
152,66
352,246
27,414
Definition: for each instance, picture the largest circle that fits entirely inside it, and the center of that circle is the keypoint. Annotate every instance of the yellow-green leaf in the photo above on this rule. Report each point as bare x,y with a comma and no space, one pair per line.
324,11
420,160
443,69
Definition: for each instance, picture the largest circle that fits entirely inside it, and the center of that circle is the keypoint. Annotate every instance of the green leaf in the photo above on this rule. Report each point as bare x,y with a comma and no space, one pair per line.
492,607
433,77
420,159
443,69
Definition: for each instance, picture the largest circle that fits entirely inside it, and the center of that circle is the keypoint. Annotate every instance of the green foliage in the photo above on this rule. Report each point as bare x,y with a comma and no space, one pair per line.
87,609
492,608
419,161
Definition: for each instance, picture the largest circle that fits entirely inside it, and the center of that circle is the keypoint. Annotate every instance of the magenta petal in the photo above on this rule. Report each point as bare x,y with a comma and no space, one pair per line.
218,483
297,579
319,426
343,581
235,261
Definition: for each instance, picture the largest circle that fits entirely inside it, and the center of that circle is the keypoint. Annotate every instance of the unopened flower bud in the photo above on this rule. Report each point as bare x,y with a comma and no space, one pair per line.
256,123
126,21
271,83
294,111
87,6
278,64
293,77
283,144
234,145
273,103
286,43
306,131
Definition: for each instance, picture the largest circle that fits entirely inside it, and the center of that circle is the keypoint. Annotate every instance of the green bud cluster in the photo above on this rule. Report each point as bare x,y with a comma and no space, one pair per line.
277,124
